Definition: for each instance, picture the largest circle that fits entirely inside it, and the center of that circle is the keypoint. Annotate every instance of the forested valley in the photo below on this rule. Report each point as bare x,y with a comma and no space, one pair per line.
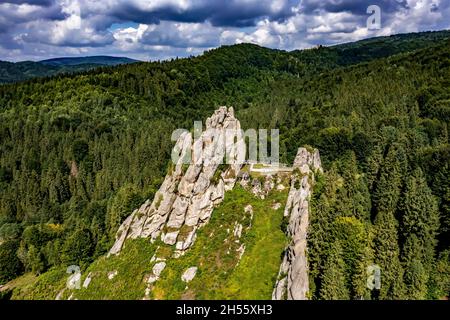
79,152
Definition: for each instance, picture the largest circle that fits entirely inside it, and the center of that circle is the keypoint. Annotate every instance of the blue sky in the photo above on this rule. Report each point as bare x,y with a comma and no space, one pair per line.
161,29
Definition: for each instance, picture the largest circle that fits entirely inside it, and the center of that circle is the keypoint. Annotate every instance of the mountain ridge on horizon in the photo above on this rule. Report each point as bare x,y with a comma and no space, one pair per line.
96,59
340,54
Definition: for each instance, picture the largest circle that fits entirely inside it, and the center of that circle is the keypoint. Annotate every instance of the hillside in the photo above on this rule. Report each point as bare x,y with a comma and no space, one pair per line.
11,72
380,47
79,153
20,71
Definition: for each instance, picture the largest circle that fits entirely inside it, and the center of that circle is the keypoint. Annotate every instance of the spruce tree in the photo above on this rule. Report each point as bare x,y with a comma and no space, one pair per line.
387,254
355,198
359,280
388,187
415,277
10,265
420,217
333,286
36,260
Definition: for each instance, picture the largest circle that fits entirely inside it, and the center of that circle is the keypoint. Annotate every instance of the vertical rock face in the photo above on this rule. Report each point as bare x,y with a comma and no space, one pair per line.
292,283
187,196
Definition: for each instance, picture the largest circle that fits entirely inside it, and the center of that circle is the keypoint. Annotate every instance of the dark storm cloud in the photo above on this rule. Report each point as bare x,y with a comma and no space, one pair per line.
11,17
44,3
218,12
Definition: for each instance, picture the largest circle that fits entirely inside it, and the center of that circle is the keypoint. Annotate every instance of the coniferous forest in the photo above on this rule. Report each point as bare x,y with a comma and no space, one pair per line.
79,152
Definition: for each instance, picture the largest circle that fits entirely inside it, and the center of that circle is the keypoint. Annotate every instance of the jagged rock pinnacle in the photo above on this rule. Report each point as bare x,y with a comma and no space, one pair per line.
187,197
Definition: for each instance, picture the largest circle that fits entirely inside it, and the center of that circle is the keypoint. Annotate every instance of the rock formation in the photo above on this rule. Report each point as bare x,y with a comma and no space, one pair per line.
292,283
189,193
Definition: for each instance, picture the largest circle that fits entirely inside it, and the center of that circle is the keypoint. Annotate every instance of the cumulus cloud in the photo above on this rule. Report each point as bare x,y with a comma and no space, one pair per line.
182,35
12,15
158,29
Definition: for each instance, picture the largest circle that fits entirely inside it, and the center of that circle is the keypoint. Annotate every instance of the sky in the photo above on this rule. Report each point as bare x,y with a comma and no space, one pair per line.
162,29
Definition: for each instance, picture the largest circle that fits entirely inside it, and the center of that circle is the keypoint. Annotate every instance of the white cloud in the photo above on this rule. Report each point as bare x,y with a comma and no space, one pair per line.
421,16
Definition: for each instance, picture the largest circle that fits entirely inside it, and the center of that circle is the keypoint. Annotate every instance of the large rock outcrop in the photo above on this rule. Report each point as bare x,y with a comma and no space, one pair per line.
189,193
292,283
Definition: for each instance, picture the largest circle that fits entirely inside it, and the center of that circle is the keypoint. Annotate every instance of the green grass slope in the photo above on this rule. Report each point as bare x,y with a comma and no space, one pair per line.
221,273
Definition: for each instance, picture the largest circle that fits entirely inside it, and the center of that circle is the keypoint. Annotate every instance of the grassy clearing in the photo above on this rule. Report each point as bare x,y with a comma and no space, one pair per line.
219,275
256,273
43,287
132,265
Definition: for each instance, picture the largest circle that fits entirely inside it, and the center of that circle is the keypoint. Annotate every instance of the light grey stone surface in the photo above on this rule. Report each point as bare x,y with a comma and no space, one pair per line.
293,283
189,274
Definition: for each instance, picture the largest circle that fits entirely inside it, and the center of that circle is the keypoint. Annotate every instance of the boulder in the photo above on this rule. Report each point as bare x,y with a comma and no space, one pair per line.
88,280
158,268
276,206
189,274
112,274
156,272
171,237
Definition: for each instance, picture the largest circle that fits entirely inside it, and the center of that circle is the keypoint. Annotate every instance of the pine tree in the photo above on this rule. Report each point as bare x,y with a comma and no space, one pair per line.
359,280
355,197
321,219
126,200
352,236
374,162
78,248
10,265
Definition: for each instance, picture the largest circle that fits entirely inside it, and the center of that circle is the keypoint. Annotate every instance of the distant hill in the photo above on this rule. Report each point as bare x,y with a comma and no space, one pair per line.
380,47
24,70
317,59
323,58
98,60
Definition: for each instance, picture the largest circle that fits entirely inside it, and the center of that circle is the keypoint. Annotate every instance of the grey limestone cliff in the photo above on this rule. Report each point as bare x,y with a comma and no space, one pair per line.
292,283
